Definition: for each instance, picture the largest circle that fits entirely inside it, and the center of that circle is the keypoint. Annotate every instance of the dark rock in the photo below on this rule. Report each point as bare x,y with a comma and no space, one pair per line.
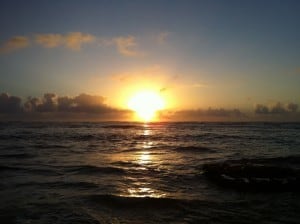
247,175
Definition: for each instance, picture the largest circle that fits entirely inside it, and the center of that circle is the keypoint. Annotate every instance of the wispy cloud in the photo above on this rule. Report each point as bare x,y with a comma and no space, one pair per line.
146,73
198,85
192,85
72,41
14,43
49,40
127,46
162,37
75,40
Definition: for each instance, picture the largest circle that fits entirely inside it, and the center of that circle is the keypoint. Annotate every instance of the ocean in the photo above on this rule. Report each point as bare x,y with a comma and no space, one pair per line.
118,172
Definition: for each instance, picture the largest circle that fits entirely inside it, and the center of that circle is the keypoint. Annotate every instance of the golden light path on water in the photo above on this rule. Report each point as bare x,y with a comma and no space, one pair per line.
143,188
143,162
140,162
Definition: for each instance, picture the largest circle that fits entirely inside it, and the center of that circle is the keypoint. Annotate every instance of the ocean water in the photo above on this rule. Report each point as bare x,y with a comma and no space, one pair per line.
114,172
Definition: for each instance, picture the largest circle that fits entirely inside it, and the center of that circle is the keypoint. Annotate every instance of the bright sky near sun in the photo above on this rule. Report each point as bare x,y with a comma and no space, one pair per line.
192,54
146,104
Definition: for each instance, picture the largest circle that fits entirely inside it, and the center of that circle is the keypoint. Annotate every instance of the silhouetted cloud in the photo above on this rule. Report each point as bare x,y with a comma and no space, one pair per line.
93,107
278,108
210,114
72,41
50,102
14,43
261,109
292,107
53,107
83,103
10,104
127,46
31,104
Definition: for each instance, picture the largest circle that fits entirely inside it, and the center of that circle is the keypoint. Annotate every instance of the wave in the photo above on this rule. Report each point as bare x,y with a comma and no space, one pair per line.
51,146
32,170
89,169
18,155
126,164
192,149
61,184
273,174
9,168
180,149
96,137
82,137
138,203
124,126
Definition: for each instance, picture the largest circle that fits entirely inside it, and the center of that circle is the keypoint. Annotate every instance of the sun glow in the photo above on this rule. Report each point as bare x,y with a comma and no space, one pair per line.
146,104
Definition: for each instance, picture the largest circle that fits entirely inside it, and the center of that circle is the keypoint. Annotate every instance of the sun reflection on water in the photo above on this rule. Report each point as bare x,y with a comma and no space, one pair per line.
144,192
141,180
146,132
144,158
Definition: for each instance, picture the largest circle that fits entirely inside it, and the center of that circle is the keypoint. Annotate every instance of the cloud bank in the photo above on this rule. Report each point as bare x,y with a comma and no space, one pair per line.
10,104
210,114
83,106
276,109
92,107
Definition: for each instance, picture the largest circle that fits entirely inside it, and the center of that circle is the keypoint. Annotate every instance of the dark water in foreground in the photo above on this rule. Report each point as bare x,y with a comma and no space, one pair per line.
154,173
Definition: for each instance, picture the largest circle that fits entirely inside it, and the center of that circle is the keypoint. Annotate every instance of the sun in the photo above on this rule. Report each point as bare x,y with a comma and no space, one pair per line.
146,104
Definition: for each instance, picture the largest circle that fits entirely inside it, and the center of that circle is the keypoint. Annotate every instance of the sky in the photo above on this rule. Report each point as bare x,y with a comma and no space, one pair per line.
209,60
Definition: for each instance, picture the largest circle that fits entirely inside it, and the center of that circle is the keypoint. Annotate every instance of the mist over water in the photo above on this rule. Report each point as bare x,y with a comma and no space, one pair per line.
149,173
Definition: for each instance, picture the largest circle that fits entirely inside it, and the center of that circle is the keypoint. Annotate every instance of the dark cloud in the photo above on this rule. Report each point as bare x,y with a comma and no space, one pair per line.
208,114
51,106
31,104
83,103
92,107
223,112
261,109
10,104
292,107
276,109
65,103
48,104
